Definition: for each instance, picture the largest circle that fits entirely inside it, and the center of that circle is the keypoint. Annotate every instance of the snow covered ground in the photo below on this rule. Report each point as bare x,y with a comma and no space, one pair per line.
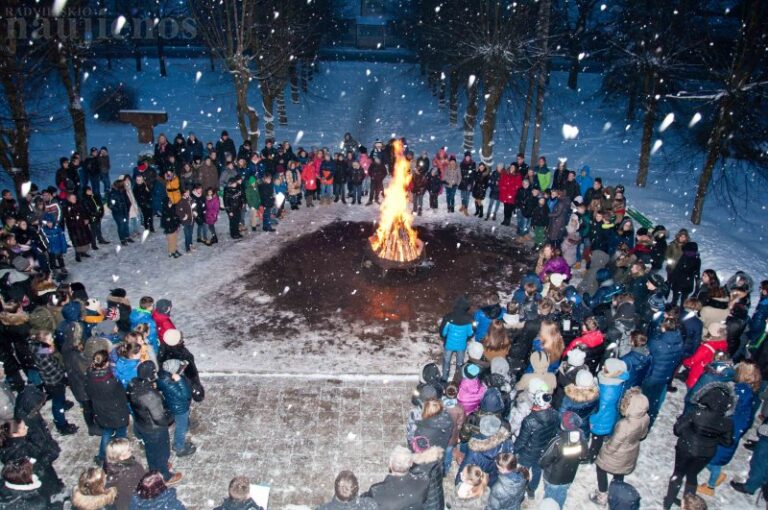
372,101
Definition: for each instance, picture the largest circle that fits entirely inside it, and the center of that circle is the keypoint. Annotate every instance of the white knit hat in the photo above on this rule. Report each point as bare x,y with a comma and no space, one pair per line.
576,357
584,379
475,350
172,337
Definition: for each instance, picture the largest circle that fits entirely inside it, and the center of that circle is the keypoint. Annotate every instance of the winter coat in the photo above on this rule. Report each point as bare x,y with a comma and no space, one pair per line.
561,459
208,176
406,492
555,265
126,370
124,476
181,353
76,219
756,326
480,186
558,219
451,176
539,366
525,200
582,401
639,363
471,393
93,207
717,371
540,216
23,498
703,356
15,329
537,430
484,317
482,451
509,184
691,328
82,501
309,176
438,429
167,500
177,395
493,184
169,220
173,189
17,448
110,404
141,316
565,376
429,464
700,431
685,274
49,365
598,261
457,326
544,177
667,351
184,212
611,390
148,412
620,451
378,172
742,419
267,194
468,171
233,198
76,366
508,492
211,210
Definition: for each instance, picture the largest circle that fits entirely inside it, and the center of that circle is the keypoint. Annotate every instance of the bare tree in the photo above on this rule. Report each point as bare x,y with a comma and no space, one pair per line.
577,30
542,29
226,26
527,111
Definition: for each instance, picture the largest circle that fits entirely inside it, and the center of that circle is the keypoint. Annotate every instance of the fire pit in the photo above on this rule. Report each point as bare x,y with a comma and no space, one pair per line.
396,244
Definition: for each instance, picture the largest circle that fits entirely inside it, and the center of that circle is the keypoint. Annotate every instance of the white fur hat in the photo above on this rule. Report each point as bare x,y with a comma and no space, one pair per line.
584,379
576,357
475,350
172,337
557,279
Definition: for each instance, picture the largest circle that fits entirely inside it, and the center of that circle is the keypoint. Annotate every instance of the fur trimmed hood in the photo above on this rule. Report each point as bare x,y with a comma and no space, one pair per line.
14,319
718,397
634,404
83,502
118,300
489,443
431,454
582,395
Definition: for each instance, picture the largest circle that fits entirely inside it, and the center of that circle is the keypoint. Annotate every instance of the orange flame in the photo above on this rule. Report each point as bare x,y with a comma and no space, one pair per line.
395,238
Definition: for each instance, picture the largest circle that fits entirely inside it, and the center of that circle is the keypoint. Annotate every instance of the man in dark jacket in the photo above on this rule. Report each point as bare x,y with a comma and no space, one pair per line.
267,196
536,431
666,347
110,404
562,457
233,203
225,146
152,420
401,489
377,171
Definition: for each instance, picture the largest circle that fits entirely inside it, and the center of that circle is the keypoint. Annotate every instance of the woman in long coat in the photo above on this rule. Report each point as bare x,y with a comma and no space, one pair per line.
77,221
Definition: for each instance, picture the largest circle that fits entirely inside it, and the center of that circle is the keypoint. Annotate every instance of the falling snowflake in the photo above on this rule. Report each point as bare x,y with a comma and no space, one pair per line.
570,132
694,120
298,138
115,278
656,146
668,120
198,75
144,236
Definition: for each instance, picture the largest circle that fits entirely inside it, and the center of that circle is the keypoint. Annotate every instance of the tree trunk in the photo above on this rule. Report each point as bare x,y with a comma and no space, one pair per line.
575,46
212,61
441,93
470,117
14,144
137,56
282,115
645,145
495,83
542,27
161,56
527,112
269,118
305,71
714,148
240,79
453,98
294,79
75,108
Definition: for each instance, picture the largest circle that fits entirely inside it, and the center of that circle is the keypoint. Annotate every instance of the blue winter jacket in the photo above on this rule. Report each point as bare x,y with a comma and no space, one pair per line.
691,329
666,348
482,452
519,294
456,336
126,370
484,317
611,390
585,181
757,322
177,395
742,420
582,401
639,363
141,316
508,492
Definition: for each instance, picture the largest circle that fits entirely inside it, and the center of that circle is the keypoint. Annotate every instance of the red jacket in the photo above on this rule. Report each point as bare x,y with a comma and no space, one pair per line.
590,340
308,176
163,322
509,183
703,356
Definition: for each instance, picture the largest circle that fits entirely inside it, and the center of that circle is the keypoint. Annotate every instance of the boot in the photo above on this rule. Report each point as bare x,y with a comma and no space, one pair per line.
706,490
674,487
488,215
214,240
493,217
103,241
60,260
77,257
465,211
599,498
480,211
175,479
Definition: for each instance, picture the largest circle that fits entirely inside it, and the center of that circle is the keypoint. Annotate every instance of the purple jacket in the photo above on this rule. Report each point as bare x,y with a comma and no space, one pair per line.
555,265
211,210
471,393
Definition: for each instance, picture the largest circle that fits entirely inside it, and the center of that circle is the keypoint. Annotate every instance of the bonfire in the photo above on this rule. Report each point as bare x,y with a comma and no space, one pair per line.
395,239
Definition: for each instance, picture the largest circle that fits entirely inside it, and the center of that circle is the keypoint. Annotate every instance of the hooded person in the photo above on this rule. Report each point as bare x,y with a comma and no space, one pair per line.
611,380
540,364
427,462
456,329
698,435
471,388
619,453
161,314
560,461
582,397
589,284
536,431
482,449
566,374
